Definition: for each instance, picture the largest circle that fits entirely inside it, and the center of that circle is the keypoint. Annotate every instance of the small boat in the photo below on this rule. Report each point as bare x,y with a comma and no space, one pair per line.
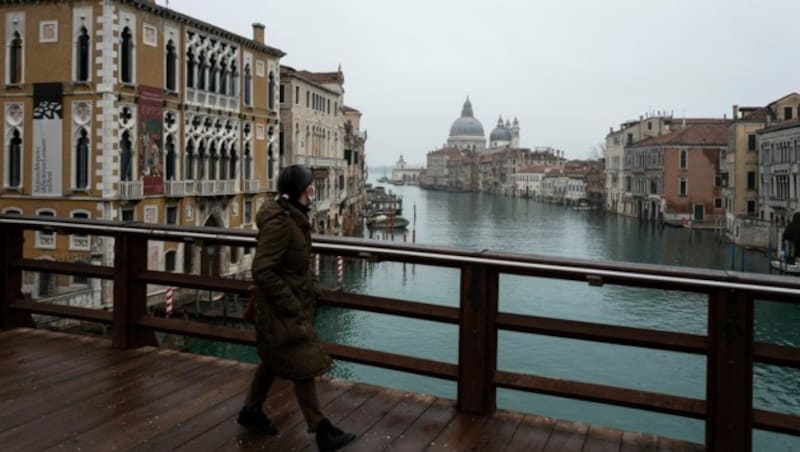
387,222
583,205
793,269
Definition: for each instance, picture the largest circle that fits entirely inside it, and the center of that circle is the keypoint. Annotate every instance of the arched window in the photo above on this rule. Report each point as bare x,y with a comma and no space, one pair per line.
201,160
169,261
126,157
234,77
15,159
248,161
172,61
232,164
201,71
189,171
212,74
212,162
270,163
271,90
248,95
190,69
126,56
223,161
223,77
83,55
170,163
15,59
82,160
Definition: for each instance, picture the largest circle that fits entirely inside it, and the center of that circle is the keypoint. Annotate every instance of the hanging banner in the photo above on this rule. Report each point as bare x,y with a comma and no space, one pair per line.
47,139
151,162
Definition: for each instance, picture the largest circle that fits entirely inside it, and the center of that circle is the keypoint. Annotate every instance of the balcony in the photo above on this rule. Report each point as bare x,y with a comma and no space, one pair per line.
178,188
215,187
250,186
321,162
131,190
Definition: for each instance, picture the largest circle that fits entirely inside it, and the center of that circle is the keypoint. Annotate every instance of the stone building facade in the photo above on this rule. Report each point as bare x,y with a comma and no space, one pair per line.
126,110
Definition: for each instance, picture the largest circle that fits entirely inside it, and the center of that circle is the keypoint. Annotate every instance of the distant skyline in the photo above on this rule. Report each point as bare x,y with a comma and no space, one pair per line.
568,70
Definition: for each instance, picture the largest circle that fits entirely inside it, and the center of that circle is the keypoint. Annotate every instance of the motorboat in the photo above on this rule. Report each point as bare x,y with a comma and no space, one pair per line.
387,222
793,269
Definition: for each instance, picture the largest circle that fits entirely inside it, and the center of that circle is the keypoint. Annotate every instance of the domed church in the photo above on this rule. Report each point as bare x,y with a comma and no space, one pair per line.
467,132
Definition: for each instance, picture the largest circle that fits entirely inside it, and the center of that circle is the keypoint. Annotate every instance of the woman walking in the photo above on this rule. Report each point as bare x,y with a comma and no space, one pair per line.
285,302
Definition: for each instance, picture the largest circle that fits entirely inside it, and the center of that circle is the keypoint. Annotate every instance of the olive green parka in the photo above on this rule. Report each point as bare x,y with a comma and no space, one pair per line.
286,294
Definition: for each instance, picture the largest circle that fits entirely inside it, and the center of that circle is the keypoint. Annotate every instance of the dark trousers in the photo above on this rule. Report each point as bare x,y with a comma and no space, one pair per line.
305,391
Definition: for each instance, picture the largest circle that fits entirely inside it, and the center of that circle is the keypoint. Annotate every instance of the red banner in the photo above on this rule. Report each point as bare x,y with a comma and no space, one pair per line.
151,155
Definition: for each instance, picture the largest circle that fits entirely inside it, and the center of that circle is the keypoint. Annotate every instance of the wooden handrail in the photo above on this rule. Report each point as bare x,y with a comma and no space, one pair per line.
729,344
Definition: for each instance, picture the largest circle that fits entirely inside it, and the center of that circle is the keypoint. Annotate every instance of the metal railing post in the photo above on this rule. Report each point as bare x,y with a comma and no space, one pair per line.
130,295
477,345
729,372
11,279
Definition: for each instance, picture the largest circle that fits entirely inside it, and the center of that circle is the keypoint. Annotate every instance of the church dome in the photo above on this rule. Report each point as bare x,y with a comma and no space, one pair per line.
500,133
466,125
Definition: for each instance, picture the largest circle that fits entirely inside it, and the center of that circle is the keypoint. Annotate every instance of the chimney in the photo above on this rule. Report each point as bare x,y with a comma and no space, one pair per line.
258,33
735,112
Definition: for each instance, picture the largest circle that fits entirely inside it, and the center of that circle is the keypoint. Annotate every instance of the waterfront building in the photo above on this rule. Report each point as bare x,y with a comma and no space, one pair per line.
319,131
528,180
779,168
436,173
126,110
676,177
408,175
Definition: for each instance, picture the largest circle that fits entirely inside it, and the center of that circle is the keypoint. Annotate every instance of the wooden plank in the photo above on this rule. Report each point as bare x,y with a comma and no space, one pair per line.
632,398
602,439
284,413
426,427
137,425
598,332
237,286
777,422
20,366
11,250
130,293
89,413
461,433
196,329
674,445
729,372
65,268
368,414
532,434
477,339
390,306
69,312
777,355
393,424
394,361
639,442
567,437
336,411
498,431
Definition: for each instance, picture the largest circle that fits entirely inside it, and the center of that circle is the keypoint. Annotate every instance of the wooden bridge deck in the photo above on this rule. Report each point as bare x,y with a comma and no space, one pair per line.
67,392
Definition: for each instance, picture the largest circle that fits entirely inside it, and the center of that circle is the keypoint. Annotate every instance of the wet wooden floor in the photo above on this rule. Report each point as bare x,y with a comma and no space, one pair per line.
68,392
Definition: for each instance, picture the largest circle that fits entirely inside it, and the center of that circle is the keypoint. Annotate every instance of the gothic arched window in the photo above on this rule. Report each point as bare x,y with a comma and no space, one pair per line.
126,56
201,71
171,63
234,76
82,160
248,95
201,160
189,171
170,163
15,159
223,77
271,90
248,161
190,69
212,75
83,55
126,157
15,59
212,162
232,165
223,161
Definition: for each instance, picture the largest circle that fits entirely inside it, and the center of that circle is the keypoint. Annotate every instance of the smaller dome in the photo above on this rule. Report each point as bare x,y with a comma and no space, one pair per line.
500,133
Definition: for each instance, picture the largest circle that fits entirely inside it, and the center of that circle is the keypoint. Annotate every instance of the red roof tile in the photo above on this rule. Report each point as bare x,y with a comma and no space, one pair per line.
703,135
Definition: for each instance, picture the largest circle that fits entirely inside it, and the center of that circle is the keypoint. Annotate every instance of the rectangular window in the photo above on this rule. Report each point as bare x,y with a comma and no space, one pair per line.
751,180
297,95
787,113
172,215
718,203
79,242
329,106
630,138
248,212
46,240
751,207
683,158
341,182
282,93
127,215
683,189
308,99
751,142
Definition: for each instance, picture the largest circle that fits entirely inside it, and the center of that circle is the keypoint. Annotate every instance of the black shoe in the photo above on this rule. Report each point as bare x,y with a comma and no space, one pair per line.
252,418
330,438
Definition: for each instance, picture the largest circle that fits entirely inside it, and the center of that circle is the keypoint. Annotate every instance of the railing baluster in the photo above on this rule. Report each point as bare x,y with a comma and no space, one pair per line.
130,295
11,279
477,345
729,372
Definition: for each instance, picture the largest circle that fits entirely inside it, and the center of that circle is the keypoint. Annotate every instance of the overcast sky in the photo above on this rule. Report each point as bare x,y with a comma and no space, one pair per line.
567,69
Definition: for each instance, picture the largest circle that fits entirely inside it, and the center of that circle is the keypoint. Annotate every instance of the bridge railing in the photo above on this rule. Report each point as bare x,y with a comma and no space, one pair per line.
729,344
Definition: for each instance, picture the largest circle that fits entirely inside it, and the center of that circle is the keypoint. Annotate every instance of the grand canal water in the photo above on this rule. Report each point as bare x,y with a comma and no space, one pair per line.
482,221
